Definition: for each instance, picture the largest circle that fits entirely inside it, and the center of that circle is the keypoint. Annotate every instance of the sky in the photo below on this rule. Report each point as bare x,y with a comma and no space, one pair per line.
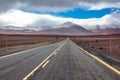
87,13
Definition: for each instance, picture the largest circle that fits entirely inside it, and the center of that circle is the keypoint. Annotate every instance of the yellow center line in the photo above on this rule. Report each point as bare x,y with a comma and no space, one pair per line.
32,72
16,53
45,64
101,61
55,53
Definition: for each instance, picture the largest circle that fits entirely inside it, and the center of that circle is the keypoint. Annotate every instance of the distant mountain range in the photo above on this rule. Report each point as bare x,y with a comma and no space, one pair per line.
67,28
105,30
26,28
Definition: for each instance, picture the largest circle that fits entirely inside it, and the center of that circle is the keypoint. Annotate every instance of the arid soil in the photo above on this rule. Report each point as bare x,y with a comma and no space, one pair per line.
15,39
106,44
11,43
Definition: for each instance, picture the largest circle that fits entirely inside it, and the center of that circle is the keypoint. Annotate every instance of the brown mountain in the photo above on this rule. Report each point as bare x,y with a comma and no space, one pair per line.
106,30
68,28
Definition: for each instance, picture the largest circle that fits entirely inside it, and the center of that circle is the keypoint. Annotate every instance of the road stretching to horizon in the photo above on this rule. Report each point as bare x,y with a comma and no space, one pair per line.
59,61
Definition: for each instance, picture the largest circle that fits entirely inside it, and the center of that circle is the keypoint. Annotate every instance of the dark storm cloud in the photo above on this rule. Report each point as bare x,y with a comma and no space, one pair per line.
55,5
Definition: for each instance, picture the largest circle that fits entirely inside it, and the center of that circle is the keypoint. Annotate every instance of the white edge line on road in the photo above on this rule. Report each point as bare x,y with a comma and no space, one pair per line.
32,72
18,52
101,61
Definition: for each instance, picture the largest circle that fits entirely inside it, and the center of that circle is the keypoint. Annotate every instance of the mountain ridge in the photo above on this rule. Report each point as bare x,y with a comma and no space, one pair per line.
67,28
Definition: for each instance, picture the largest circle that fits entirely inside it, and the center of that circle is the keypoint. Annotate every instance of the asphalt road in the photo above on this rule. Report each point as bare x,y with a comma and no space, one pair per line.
60,61
18,65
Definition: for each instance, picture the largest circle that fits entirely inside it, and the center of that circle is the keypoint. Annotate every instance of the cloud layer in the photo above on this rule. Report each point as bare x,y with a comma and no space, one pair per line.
21,19
57,5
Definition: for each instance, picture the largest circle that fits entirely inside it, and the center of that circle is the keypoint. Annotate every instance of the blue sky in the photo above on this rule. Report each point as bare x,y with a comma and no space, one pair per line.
87,13
78,13
83,14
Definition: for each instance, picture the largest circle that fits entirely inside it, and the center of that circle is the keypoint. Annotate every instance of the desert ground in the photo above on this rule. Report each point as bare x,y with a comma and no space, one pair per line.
11,43
105,44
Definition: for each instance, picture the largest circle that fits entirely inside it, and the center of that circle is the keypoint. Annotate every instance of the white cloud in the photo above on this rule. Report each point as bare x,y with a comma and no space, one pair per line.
99,4
21,19
57,5
18,18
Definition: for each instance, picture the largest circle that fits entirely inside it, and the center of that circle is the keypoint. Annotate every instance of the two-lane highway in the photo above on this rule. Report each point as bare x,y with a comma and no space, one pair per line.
72,63
60,61
16,66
